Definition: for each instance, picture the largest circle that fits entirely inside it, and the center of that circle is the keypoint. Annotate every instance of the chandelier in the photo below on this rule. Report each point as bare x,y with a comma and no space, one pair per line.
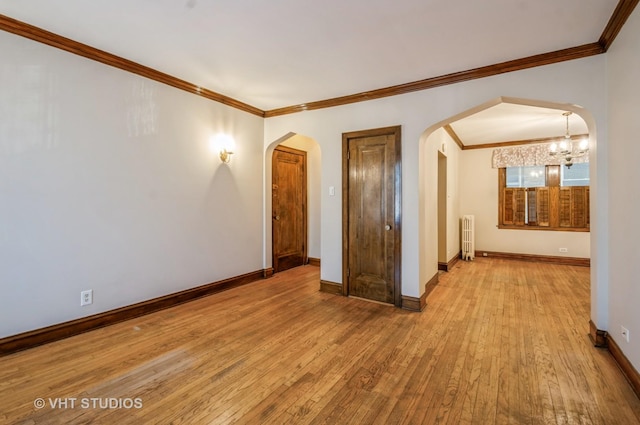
566,150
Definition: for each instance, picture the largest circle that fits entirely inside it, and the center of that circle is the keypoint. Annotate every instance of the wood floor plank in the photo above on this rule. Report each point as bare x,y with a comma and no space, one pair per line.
500,342
486,400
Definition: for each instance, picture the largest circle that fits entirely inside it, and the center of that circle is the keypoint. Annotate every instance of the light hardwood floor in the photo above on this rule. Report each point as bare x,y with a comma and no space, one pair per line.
500,342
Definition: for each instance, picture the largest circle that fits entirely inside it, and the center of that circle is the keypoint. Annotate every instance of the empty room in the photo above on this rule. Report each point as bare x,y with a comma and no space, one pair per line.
308,212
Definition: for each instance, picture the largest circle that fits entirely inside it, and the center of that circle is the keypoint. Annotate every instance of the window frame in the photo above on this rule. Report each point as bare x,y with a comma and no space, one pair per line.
556,208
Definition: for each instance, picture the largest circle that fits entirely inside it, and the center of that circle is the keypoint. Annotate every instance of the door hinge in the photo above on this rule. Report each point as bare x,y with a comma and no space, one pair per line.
348,154
348,272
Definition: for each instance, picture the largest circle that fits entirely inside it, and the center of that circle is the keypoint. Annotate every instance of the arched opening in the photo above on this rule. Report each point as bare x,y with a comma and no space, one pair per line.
313,195
443,247
470,181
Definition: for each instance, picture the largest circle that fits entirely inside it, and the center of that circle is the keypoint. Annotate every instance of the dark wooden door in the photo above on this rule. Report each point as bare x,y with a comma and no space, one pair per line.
371,194
289,208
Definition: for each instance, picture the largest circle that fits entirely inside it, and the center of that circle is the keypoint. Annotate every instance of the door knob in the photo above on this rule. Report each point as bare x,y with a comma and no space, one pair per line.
387,227
277,217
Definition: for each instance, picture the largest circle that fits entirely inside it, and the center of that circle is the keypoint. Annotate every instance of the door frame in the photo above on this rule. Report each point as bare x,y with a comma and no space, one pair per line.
305,212
397,216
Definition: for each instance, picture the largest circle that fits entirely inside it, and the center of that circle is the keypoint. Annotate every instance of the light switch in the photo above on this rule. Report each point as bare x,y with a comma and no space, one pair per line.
332,191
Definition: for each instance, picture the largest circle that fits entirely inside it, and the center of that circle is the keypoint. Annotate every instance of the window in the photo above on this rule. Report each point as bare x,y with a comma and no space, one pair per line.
577,175
548,197
526,176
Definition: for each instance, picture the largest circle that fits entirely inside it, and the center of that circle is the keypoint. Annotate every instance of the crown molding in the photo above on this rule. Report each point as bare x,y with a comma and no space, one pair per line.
620,15
452,133
43,36
522,142
571,53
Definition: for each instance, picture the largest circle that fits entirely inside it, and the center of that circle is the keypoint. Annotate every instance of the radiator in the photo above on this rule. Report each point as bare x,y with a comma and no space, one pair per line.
468,238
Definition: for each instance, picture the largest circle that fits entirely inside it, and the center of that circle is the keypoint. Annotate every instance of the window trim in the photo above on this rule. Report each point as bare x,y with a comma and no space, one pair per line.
578,209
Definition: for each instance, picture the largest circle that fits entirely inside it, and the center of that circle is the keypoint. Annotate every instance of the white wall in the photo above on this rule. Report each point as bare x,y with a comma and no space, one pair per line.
479,196
580,81
454,212
107,183
624,177
451,151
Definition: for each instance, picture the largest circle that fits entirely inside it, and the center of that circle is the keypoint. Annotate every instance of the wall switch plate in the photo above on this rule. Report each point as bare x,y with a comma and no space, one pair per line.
86,297
625,333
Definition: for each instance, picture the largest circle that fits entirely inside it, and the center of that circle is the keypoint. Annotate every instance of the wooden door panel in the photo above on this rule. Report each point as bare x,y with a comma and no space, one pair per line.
368,218
372,239
289,211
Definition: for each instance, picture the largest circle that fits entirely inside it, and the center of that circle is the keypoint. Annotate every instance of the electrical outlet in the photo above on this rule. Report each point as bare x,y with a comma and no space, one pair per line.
86,297
625,333
564,250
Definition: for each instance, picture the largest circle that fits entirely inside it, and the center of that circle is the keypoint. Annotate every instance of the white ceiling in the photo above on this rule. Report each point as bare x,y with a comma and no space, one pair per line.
278,53
510,122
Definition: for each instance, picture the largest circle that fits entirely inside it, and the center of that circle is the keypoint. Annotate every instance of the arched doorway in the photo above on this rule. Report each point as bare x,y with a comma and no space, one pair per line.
461,170
293,143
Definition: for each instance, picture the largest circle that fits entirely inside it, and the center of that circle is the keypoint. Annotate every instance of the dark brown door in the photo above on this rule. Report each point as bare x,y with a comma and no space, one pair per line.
289,208
371,229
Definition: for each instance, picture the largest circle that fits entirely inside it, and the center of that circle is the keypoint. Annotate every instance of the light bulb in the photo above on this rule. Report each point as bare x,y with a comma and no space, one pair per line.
584,144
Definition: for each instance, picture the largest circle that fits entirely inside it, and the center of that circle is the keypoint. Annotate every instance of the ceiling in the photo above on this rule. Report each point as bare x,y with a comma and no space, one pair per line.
506,122
278,53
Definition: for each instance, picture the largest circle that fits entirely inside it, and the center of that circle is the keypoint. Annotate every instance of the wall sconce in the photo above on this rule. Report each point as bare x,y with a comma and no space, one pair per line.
224,145
225,155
